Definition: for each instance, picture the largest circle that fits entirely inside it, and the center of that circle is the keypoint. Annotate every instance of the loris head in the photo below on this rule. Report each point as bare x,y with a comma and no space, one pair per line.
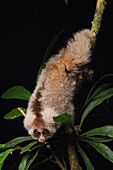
40,127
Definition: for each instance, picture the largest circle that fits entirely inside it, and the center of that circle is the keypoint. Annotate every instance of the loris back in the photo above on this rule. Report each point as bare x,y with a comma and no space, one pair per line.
55,89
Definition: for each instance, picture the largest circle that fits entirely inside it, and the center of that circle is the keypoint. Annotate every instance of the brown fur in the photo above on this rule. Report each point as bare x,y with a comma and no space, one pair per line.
39,122
36,105
57,84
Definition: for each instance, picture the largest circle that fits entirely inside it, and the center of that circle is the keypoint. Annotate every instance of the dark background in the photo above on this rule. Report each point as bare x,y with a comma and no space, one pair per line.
27,28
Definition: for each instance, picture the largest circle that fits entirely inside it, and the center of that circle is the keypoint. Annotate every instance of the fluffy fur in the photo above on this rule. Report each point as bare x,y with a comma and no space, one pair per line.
55,89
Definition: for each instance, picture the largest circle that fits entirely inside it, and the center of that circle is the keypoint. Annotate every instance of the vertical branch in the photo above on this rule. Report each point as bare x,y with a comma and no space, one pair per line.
72,153
100,7
73,160
72,149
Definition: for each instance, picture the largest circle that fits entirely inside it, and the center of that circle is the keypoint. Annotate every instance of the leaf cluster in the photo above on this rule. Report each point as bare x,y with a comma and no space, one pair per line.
31,149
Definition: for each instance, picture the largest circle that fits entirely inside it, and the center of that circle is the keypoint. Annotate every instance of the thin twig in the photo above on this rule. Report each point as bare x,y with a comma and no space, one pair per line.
56,158
21,111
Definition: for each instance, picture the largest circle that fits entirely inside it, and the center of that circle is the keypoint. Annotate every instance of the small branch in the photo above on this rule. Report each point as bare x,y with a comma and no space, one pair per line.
73,160
21,111
72,154
100,7
59,163
56,158
71,149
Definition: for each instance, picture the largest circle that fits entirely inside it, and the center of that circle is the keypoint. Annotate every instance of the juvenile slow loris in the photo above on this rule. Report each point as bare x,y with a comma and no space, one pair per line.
55,89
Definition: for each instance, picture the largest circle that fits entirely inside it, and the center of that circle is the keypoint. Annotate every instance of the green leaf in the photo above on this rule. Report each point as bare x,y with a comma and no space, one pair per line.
25,162
98,99
31,160
3,156
16,92
100,89
3,146
95,138
105,94
64,118
35,147
105,76
88,163
43,161
27,147
48,51
14,113
17,141
102,131
101,139
102,149
97,91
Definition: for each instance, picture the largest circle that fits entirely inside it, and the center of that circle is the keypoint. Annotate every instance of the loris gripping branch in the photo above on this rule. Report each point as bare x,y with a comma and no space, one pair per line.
55,89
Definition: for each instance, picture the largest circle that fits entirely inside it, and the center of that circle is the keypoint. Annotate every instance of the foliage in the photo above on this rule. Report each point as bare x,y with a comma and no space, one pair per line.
64,118
95,137
31,149
16,92
14,113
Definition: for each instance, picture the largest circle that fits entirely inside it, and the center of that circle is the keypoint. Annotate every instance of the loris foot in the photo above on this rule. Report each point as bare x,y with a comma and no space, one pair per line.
89,34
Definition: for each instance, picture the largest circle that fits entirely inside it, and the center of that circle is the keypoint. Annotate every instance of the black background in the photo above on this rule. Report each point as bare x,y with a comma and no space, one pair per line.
27,28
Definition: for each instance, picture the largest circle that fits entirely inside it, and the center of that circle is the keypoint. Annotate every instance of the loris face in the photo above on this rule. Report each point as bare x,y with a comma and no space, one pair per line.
38,128
41,135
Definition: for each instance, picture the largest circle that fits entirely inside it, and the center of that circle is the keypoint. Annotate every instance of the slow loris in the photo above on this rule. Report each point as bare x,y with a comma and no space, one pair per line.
55,89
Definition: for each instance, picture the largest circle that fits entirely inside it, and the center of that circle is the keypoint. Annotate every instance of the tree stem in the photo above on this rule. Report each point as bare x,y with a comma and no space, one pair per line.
73,160
72,149
100,7
59,163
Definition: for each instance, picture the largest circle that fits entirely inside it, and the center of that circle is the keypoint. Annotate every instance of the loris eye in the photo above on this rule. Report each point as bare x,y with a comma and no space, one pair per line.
36,133
45,132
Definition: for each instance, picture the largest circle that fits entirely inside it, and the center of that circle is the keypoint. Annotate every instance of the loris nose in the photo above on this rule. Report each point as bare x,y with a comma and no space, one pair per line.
42,139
